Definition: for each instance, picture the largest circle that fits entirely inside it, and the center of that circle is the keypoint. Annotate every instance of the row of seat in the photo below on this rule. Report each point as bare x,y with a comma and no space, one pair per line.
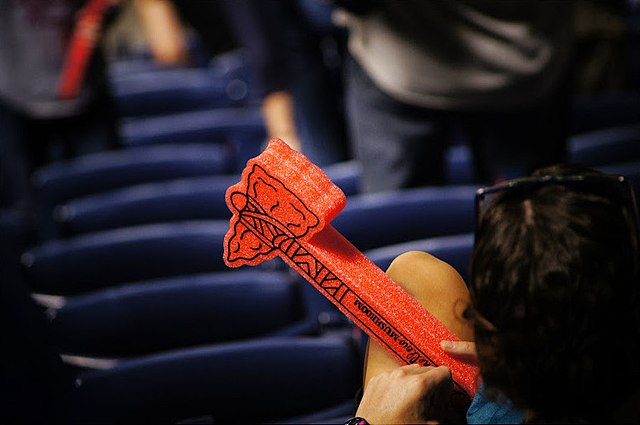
161,313
142,88
177,233
166,200
168,182
256,381
125,250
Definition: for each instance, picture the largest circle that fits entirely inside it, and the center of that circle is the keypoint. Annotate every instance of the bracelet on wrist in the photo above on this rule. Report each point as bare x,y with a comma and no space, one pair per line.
357,421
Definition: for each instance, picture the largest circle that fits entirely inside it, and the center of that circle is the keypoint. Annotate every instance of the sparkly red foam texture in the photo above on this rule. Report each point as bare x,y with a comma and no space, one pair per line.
311,200
361,290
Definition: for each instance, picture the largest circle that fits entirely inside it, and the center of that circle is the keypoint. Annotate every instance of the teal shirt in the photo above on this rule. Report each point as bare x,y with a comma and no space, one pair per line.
483,411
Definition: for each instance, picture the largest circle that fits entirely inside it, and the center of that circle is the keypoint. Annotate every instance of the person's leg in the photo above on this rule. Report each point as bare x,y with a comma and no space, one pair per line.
438,287
319,119
512,143
398,145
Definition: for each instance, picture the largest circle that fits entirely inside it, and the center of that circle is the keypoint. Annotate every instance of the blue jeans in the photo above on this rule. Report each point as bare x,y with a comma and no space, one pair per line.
402,145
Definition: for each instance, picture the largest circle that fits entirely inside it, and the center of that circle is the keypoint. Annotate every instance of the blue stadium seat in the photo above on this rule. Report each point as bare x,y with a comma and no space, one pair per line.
374,220
609,109
605,146
346,175
177,312
455,250
255,381
199,198
166,91
142,88
214,124
183,199
98,172
459,165
163,91
240,128
101,259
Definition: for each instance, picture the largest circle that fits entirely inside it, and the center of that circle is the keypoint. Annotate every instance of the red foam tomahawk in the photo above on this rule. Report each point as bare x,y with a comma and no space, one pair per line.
83,40
282,206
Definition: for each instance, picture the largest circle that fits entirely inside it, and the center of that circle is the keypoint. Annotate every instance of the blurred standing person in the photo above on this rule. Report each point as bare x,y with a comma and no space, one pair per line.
38,124
295,53
420,73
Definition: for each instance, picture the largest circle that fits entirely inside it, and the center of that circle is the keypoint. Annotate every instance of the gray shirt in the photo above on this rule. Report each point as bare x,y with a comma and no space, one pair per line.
33,39
450,54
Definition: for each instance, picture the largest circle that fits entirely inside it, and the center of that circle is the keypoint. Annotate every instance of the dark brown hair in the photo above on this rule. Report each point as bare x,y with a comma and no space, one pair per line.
555,291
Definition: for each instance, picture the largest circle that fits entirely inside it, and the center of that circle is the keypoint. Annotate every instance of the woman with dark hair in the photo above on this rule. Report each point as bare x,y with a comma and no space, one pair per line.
552,306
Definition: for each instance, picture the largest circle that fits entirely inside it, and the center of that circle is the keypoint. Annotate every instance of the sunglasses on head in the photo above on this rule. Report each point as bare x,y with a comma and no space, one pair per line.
609,185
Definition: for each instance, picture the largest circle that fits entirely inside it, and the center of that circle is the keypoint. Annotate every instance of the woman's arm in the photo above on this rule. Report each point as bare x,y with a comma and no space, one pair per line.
163,31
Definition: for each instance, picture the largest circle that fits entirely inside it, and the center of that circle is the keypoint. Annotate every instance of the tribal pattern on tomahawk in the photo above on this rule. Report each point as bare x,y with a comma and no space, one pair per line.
272,220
